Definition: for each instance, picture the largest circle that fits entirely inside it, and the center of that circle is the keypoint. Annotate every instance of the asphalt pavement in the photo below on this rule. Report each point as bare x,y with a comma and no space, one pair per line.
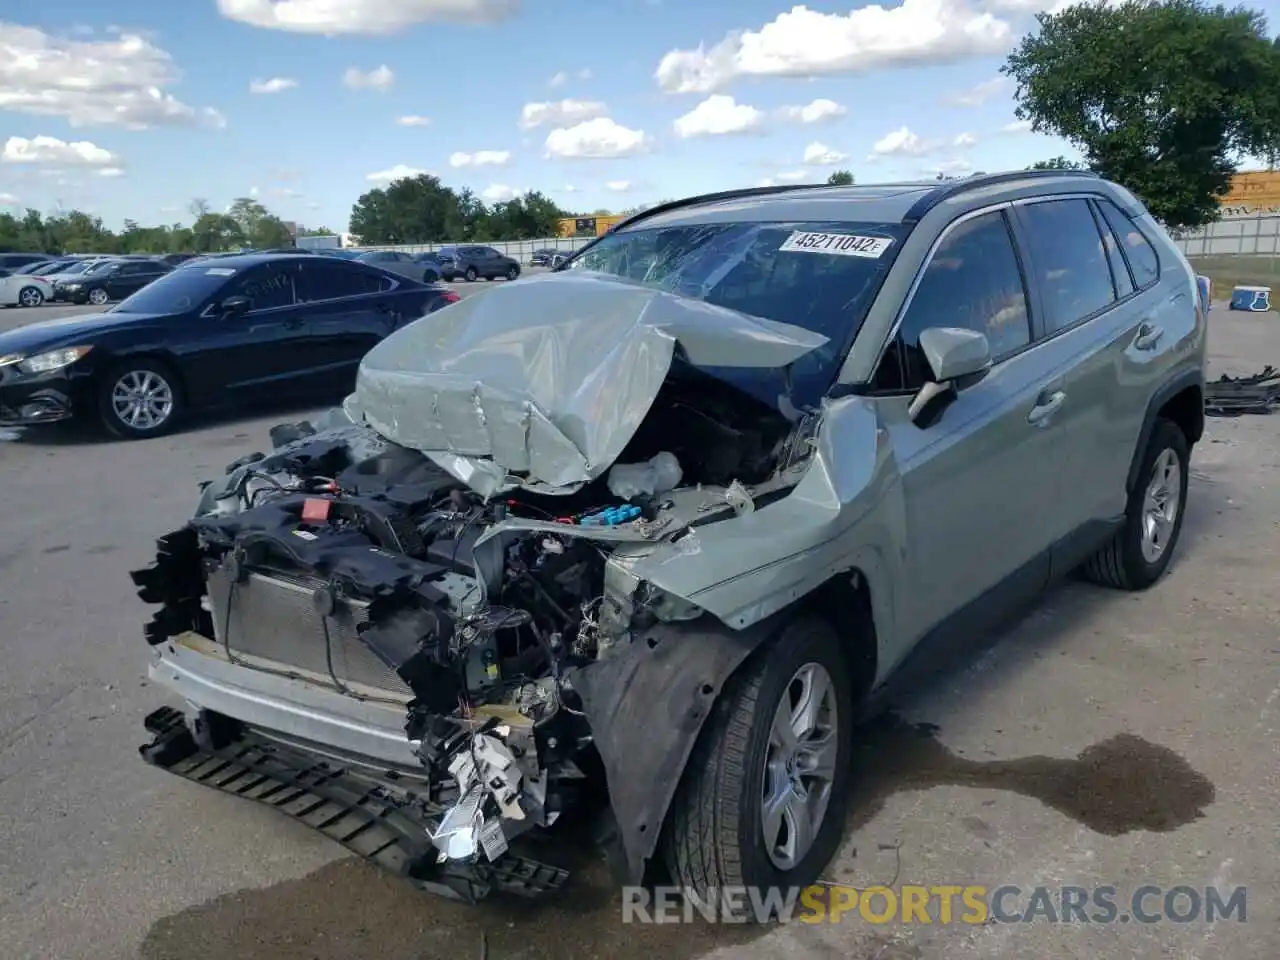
1104,739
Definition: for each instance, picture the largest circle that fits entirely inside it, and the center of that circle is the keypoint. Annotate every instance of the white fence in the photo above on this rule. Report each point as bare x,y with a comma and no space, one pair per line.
1248,234
521,250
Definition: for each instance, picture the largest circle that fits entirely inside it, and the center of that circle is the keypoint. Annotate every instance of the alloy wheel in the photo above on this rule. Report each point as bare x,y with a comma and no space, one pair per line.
1161,504
800,765
98,297
142,400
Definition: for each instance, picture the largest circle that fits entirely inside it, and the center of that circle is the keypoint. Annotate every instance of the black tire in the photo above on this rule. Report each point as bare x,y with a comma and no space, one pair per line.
30,297
513,272
110,416
714,837
1121,563
471,274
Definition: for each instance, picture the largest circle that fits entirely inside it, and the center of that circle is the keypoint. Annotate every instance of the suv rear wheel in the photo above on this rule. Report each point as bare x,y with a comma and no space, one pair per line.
762,800
1140,551
471,274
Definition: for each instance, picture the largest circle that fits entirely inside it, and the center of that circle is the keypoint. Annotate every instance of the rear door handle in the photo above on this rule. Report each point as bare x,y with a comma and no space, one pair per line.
1047,405
1148,337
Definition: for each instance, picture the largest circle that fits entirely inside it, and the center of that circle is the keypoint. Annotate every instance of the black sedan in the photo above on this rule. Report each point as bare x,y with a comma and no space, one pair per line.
233,332
112,280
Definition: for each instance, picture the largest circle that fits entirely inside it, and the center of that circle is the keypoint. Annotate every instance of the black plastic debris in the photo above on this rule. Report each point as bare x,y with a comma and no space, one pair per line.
1234,396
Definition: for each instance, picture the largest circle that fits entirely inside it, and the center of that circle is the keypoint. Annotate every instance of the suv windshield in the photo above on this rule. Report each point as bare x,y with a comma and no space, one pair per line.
821,276
178,291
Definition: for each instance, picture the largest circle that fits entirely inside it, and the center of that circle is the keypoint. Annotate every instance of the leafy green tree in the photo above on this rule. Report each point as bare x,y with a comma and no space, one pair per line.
1055,163
1163,97
841,178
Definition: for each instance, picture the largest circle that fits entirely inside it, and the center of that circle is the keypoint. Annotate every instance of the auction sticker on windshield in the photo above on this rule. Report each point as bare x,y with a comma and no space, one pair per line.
221,271
840,244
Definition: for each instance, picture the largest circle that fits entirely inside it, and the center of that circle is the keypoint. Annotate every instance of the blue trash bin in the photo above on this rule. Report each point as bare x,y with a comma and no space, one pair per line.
1252,299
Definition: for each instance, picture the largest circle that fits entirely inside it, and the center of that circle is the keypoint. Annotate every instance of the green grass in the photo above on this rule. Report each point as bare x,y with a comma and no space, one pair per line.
1239,270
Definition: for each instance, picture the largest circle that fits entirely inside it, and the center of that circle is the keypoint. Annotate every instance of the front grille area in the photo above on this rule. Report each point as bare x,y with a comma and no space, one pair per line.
272,616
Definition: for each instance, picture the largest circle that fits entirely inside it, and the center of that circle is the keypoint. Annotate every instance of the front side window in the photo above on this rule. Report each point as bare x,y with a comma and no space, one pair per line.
973,281
1068,261
267,287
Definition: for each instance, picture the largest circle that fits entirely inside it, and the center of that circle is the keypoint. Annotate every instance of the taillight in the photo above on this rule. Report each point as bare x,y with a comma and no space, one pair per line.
450,297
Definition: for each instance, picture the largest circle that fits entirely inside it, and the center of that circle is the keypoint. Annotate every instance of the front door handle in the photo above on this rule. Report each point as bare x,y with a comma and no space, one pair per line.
1148,337
294,324
1047,405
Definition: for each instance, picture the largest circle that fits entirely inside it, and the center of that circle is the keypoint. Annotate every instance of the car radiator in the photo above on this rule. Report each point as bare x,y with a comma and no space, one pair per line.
273,616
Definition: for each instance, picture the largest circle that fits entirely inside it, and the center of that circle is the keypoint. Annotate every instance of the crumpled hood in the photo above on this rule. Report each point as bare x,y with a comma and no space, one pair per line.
548,378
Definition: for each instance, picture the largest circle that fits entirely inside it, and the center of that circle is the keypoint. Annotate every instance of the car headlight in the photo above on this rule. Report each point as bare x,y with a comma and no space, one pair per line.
53,360
71,286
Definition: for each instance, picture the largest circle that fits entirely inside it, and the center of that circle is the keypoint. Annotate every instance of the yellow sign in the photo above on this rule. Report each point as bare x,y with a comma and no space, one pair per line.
1257,190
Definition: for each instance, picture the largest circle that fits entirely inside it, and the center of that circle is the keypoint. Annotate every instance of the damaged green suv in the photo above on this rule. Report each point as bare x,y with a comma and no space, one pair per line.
637,542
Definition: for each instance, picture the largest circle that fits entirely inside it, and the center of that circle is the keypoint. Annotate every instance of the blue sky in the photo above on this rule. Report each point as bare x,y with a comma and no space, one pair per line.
131,109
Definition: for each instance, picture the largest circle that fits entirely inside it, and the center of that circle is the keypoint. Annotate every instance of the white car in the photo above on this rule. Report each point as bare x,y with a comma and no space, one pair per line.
24,290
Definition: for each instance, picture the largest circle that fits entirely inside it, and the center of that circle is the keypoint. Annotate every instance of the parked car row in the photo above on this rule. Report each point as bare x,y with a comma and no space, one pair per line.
224,333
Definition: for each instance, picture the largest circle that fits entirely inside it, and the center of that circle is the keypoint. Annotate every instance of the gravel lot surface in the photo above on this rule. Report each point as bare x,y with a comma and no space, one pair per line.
1104,739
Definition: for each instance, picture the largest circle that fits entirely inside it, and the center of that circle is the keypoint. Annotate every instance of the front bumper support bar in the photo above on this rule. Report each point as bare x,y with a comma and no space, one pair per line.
326,797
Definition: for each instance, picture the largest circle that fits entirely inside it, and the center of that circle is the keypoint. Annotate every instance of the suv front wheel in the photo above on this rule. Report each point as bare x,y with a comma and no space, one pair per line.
1140,551
762,800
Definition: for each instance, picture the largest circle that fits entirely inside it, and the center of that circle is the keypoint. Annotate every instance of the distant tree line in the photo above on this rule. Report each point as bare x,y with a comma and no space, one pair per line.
246,223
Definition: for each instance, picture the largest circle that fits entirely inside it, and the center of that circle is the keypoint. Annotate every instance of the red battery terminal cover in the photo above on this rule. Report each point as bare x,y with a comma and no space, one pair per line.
316,509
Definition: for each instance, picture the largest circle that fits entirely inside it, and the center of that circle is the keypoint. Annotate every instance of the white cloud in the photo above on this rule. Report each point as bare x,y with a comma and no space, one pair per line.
367,17
481,158
979,94
287,193
274,85
558,80
792,176
111,172
380,79
902,142
950,168
79,153
7,199
596,139
818,111
618,186
412,120
398,172
719,115
118,80
569,188
1018,126
805,43
253,192
560,113
964,140
820,155
500,193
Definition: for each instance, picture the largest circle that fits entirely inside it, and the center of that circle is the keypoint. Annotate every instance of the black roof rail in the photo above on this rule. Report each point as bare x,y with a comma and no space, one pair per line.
738,194
951,188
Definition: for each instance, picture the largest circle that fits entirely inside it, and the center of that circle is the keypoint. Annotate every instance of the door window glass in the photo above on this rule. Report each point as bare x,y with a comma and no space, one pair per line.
1068,261
1119,269
1137,248
972,281
266,287
329,281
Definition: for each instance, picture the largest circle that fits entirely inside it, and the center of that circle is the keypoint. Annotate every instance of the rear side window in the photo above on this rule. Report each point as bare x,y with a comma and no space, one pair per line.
1119,268
329,281
1068,261
1137,248
973,281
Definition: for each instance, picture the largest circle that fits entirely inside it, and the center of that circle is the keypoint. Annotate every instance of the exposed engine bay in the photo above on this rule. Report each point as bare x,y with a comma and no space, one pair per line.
366,571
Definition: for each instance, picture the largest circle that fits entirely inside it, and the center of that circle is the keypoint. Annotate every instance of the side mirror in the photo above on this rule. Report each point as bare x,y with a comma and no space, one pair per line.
234,306
958,358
